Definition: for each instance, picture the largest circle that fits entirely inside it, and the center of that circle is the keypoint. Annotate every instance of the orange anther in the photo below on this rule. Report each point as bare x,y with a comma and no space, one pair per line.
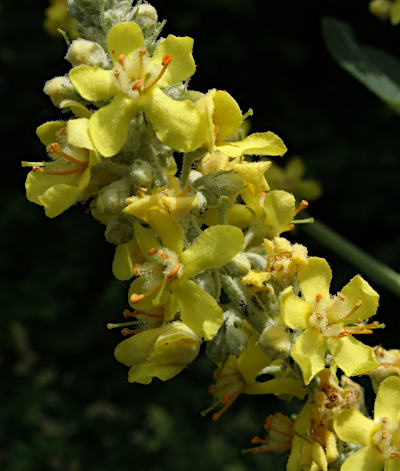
303,205
318,297
136,298
113,51
211,389
166,59
58,172
126,331
61,132
128,313
152,251
136,271
174,271
215,374
263,194
162,254
116,73
137,85
121,59
142,51
257,440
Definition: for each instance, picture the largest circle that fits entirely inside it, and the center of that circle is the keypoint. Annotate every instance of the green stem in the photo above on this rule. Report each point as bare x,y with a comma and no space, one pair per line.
368,265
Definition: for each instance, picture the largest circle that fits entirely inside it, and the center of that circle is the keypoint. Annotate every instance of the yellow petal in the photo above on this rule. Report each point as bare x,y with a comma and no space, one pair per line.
47,132
358,289
77,108
279,207
227,116
252,173
309,353
387,403
213,248
124,38
178,124
109,125
124,260
392,464
395,13
277,386
352,426
315,278
264,143
168,228
78,133
182,65
364,459
251,361
352,356
294,310
199,310
92,83
146,240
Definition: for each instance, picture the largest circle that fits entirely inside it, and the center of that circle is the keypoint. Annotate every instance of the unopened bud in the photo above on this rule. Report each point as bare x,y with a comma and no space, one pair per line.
141,173
146,16
82,51
119,230
60,89
112,198
380,8
219,186
275,341
239,265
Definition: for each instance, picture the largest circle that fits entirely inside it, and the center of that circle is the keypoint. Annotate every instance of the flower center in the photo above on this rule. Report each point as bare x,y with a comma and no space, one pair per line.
136,74
387,438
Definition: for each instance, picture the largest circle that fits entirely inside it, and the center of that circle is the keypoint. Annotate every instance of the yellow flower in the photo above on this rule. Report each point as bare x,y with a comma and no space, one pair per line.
385,9
238,376
135,84
165,276
170,199
162,352
329,322
379,438
223,119
389,365
59,184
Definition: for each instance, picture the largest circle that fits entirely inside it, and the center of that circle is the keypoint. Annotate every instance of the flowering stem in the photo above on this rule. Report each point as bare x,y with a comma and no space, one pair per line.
371,267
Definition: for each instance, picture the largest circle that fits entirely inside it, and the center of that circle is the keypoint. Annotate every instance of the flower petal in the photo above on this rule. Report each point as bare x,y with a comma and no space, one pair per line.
227,115
294,310
393,464
137,348
213,248
77,108
364,459
199,310
47,132
92,83
261,143
352,426
352,356
279,207
124,260
309,353
124,38
168,228
358,289
315,278
182,65
146,240
109,125
387,402
178,124
78,133
252,360
252,173
277,386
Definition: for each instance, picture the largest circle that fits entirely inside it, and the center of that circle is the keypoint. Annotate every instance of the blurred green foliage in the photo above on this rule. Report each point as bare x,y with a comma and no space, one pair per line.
65,402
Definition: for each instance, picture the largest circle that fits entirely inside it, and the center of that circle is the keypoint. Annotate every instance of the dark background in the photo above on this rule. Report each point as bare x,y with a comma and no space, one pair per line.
65,402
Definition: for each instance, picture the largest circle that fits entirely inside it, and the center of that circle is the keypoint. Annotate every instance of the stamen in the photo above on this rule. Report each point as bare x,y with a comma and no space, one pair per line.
289,228
165,61
247,114
227,403
352,311
62,132
58,172
121,59
141,192
122,324
162,254
303,205
258,440
136,298
127,331
116,73
137,85
24,163
174,271
152,251
318,297
142,52
136,271
54,148
394,454
303,221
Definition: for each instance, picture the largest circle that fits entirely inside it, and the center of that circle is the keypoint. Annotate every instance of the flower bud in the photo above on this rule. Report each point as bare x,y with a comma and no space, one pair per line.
146,16
239,265
380,8
141,173
82,51
218,187
275,341
60,89
112,198
119,230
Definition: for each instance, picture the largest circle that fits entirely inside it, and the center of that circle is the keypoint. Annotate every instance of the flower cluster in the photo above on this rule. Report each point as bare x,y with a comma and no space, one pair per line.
184,196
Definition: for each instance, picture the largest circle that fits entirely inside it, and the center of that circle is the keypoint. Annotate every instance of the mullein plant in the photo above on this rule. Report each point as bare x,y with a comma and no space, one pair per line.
183,193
